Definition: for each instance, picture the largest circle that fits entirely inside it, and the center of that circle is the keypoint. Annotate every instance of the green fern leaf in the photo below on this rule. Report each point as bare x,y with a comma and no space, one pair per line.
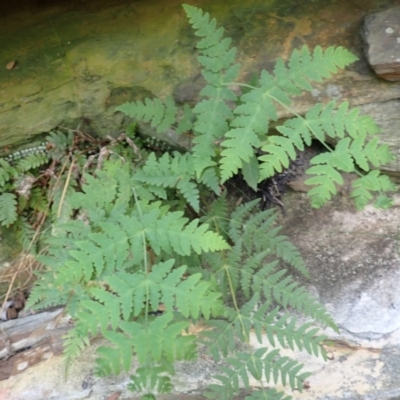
175,171
324,183
210,179
61,142
321,64
8,209
302,67
75,342
24,232
251,121
38,200
185,124
220,340
159,338
32,161
7,172
372,182
103,311
377,155
280,151
217,216
155,378
209,127
212,113
171,231
190,296
251,172
259,364
238,217
162,116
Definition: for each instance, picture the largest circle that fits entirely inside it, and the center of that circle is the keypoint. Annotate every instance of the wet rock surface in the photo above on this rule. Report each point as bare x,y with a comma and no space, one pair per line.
382,36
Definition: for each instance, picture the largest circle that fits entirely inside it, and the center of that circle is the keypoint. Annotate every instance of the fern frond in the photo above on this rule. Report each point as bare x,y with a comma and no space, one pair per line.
249,124
210,178
23,231
160,338
327,165
169,345
45,294
286,292
100,313
163,284
7,172
372,182
262,363
75,342
228,274
238,216
258,107
220,341
154,378
8,209
248,268
38,200
161,115
212,113
258,234
217,216
173,232
304,66
60,141
171,171
185,124
32,161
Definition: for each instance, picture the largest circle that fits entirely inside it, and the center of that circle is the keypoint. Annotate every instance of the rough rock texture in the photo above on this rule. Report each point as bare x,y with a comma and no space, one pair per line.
382,36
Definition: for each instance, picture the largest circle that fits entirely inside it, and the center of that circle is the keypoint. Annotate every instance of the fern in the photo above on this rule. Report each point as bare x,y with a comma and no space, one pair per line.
162,116
32,161
243,132
7,172
147,234
24,232
8,209
259,364
213,113
171,172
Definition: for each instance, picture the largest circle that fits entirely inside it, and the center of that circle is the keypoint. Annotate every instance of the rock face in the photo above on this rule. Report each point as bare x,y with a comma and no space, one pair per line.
382,36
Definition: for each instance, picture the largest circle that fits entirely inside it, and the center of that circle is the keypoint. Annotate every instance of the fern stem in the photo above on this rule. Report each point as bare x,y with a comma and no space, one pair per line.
235,302
146,266
239,84
137,203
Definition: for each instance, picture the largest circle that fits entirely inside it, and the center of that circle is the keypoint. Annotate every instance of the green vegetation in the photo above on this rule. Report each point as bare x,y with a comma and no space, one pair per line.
130,230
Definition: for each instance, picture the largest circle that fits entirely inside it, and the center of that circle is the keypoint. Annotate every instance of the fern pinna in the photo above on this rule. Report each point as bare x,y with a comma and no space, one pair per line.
133,246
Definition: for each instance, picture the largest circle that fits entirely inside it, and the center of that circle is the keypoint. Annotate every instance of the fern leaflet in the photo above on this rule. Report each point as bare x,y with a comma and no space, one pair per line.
162,116
175,171
8,209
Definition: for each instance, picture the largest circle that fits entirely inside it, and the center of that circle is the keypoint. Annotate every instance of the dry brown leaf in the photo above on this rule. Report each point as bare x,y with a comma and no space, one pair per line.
11,64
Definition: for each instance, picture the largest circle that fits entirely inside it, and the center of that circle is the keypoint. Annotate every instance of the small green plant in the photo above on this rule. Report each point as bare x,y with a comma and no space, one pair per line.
35,181
145,235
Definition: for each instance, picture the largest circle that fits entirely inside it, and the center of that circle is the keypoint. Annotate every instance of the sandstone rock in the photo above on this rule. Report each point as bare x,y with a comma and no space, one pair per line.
382,36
